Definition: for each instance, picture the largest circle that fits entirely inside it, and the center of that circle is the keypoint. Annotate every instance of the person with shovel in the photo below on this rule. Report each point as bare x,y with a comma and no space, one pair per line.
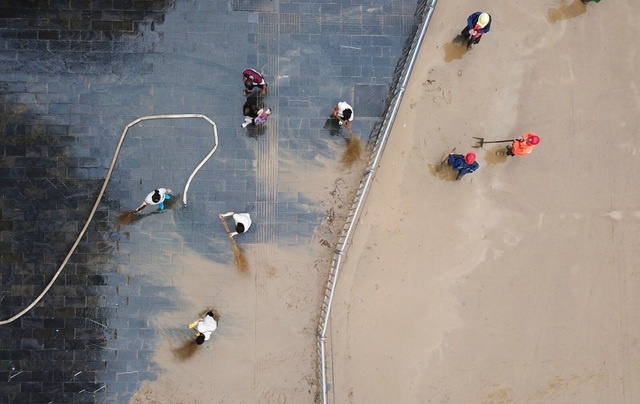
463,164
243,222
523,145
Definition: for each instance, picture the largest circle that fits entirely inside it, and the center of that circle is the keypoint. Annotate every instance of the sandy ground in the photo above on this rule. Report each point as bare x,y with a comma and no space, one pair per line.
265,347
517,283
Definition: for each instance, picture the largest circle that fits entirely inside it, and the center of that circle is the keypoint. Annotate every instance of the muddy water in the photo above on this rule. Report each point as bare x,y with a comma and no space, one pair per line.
566,11
496,155
453,51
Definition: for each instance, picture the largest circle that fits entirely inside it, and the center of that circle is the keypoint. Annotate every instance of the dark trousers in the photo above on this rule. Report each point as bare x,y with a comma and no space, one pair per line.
467,37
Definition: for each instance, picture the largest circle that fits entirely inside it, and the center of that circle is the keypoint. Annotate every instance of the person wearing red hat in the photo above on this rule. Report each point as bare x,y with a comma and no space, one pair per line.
463,164
523,145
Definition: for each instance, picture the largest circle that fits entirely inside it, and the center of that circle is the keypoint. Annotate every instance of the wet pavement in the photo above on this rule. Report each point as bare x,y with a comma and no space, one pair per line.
73,75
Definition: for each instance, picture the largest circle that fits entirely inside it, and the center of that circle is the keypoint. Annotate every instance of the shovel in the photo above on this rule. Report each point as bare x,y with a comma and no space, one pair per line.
481,141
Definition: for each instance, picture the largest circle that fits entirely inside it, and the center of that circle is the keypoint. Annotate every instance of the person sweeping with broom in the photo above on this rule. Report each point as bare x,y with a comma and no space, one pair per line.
344,113
204,327
243,222
157,197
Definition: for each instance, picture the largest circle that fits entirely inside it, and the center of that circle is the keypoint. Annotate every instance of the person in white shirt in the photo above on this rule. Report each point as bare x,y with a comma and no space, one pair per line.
243,222
344,112
204,327
157,197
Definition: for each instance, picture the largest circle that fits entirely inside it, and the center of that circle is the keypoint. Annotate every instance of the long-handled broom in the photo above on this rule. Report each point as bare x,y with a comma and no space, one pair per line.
354,146
241,261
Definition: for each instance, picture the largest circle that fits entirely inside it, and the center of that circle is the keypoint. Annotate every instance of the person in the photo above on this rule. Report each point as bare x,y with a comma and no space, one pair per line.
250,111
344,112
259,119
243,222
157,197
463,164
523,145
204,327
587,1
251,78
478,24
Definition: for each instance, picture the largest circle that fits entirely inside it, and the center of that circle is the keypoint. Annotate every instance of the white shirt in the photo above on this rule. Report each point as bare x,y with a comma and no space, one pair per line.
161,191
243,218
341,107
206,327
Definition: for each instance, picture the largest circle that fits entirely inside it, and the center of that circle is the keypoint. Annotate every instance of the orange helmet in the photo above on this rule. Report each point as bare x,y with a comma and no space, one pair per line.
532,139
470,158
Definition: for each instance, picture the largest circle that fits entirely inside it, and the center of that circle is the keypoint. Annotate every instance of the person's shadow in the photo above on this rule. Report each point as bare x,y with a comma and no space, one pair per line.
332,125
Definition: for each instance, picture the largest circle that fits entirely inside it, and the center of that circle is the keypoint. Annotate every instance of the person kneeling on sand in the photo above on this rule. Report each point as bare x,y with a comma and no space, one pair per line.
156,197
463,164
204,327
243,222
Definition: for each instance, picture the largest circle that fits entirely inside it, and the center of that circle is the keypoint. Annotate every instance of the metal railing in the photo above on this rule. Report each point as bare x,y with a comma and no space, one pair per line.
377,142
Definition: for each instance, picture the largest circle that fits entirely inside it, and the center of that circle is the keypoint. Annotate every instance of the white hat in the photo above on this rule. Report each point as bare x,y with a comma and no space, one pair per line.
484,19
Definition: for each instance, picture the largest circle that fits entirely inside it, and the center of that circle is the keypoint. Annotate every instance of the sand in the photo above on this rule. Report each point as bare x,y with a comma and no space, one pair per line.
517,283
265,347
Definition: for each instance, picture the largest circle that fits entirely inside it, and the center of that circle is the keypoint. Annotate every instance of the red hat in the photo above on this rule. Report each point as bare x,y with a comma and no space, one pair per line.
532,139
470,158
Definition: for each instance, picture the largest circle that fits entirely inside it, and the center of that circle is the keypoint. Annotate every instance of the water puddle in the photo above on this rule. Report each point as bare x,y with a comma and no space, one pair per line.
453,50
565,12
497,155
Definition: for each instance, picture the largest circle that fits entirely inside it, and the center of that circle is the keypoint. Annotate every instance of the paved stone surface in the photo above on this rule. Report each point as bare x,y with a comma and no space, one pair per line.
73,75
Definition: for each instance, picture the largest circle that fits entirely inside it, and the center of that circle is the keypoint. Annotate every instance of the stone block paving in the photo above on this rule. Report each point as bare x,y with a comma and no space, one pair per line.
73,74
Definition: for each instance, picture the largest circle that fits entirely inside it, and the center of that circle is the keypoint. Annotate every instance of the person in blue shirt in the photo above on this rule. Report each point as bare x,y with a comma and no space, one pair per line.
463,164
478,24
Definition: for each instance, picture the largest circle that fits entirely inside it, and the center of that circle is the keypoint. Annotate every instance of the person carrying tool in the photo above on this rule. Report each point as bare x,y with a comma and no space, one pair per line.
523,145
344,113
463,164
204,327
157,197
243,222
478,24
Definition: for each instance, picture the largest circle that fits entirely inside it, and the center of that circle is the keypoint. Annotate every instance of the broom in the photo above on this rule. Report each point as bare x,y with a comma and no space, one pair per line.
354,147
241,261
126,218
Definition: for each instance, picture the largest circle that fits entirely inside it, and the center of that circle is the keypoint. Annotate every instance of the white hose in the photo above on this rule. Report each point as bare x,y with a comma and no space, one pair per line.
104,187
